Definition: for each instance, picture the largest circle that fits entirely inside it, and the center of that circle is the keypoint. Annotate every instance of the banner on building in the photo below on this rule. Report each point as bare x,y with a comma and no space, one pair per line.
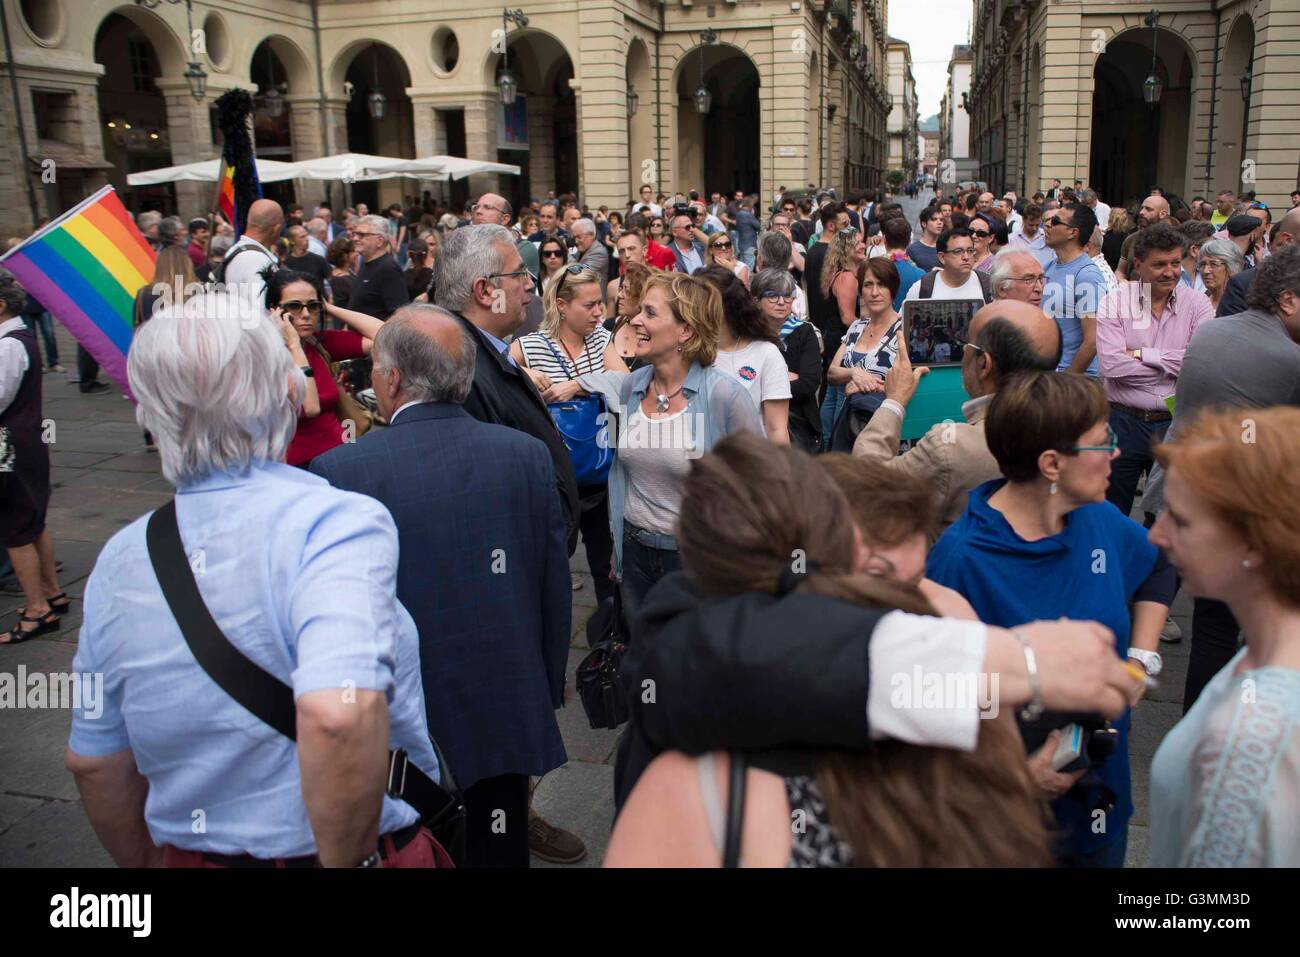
512,125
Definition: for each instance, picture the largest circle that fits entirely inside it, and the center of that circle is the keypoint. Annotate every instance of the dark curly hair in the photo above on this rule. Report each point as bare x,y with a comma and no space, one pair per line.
741,312
278,279
1277,275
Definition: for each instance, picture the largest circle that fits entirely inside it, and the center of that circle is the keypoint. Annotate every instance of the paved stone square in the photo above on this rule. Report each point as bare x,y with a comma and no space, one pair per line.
104,479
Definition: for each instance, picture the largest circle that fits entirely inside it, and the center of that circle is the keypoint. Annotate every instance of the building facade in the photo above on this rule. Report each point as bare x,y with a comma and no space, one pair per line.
1061,90
930,156
954,119
903,117
608,95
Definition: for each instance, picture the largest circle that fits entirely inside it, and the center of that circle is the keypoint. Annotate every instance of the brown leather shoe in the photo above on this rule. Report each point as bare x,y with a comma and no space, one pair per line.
553,844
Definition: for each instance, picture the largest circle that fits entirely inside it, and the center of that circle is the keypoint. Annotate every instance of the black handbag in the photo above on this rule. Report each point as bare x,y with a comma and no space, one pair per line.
441,808
600,688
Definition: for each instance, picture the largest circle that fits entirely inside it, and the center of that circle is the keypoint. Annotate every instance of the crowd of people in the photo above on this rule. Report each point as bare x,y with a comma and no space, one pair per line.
427,411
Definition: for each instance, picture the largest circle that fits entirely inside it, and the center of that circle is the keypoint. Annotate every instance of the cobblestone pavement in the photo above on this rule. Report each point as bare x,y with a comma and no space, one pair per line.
104,479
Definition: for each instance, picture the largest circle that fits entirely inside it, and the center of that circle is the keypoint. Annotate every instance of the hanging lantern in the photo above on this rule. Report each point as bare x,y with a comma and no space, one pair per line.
1152,87
274,102
703,100
508,87
375,103
633,100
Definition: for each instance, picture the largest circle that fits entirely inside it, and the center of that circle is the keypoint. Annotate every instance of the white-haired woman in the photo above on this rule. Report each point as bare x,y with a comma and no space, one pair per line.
300,578
1219,261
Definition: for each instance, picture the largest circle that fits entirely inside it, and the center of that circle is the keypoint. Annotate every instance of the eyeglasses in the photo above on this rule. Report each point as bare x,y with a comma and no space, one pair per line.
971,345
360,235
963,253
488,206
726,245
552,254
295,306
507,275
1039,280
781,297
1112,438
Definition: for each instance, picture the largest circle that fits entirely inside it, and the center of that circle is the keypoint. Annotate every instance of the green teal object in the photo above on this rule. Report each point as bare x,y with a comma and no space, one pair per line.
939,397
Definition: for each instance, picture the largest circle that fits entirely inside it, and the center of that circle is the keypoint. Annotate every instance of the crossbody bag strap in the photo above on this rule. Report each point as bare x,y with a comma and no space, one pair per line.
735,810
262,693
563,365
265,695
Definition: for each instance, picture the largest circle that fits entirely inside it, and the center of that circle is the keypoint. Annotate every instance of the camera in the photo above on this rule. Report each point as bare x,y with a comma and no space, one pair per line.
1099,739
682,209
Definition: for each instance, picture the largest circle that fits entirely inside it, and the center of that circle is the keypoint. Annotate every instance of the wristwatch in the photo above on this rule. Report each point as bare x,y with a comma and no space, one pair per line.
307,371
1150,661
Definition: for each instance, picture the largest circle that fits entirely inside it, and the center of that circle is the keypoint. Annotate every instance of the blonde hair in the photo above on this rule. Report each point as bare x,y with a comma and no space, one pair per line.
696,305
564,288
839,258
1241,461
173,276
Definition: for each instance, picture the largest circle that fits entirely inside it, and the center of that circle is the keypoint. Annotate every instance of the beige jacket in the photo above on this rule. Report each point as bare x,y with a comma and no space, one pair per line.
952,456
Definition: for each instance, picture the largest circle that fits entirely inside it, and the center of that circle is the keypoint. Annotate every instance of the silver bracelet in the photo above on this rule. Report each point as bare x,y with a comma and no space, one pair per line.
1034,710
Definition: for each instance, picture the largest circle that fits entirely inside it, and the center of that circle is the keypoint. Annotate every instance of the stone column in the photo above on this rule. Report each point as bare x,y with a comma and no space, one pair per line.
190,130
1273,143
602,105
1065,116
481,138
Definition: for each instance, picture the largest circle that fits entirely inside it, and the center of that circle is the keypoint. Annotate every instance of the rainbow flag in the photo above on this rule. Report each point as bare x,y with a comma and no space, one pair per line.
226,195
85,268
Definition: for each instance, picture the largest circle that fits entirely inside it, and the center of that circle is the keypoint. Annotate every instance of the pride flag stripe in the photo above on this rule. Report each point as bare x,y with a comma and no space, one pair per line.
85,268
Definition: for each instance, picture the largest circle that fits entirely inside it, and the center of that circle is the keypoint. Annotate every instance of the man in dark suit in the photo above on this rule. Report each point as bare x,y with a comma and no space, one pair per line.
482,570
482,279
1285,234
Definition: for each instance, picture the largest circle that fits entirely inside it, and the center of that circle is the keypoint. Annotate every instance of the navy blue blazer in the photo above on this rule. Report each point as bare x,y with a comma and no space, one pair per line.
483,570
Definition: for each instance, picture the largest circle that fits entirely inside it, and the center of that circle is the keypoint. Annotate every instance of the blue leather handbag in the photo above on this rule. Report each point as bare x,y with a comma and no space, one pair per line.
583,424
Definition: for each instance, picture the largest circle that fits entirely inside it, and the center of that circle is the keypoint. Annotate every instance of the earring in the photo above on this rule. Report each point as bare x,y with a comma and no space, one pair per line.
679,348
1245,563
1052,490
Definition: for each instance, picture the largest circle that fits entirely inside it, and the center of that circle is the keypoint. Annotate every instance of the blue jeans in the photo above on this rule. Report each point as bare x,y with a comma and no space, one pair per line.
45,326
1135,457
831,406
647,557
748,257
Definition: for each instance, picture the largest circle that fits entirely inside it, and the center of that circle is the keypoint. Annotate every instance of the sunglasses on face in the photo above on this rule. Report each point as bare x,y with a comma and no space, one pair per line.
726,245
1058,221
981,233
296,306
552,254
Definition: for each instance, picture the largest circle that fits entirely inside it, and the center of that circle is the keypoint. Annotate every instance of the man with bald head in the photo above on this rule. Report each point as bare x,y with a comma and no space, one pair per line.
1155,209
1005,337
1234,297
241,270
478,522
497,211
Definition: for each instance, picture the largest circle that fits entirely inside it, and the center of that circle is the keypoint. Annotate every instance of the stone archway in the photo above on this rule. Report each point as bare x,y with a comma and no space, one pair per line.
378,67
547,108
134,47
278,70
1231,137
718,151
1135,147
640,127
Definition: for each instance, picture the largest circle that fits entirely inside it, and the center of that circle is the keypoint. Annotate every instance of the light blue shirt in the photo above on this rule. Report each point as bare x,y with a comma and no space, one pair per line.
301,578
1073,289
500,346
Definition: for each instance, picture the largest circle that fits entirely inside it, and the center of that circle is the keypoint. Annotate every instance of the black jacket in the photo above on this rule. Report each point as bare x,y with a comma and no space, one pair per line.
504,395
751,672
1234,297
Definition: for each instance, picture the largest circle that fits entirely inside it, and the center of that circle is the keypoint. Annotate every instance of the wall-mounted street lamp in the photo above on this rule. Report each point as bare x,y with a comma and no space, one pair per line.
633,100
1247,79
507,84
194,73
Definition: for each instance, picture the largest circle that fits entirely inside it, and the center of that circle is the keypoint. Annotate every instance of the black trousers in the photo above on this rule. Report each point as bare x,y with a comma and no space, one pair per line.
496,822
87,368
1214,642
597,538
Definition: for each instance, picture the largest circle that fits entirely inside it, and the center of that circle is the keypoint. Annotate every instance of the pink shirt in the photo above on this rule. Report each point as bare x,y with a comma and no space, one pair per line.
1125,323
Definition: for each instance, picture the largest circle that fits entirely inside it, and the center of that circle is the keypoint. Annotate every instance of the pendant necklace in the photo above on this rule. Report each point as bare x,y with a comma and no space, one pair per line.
662,400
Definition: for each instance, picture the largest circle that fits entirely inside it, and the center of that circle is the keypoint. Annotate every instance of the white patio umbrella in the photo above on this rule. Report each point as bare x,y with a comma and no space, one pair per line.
445,168
359,167
208,171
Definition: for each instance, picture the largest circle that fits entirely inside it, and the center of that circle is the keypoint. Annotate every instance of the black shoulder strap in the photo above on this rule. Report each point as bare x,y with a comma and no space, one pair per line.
735,810
265,695
927,285
986,286
225,263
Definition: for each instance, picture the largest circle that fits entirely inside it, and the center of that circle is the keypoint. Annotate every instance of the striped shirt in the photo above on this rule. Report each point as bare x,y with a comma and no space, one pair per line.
544,353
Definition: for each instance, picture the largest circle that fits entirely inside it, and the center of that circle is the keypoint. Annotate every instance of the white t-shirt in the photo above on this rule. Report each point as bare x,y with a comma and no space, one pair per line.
760,368
971,290
243,274
655,209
